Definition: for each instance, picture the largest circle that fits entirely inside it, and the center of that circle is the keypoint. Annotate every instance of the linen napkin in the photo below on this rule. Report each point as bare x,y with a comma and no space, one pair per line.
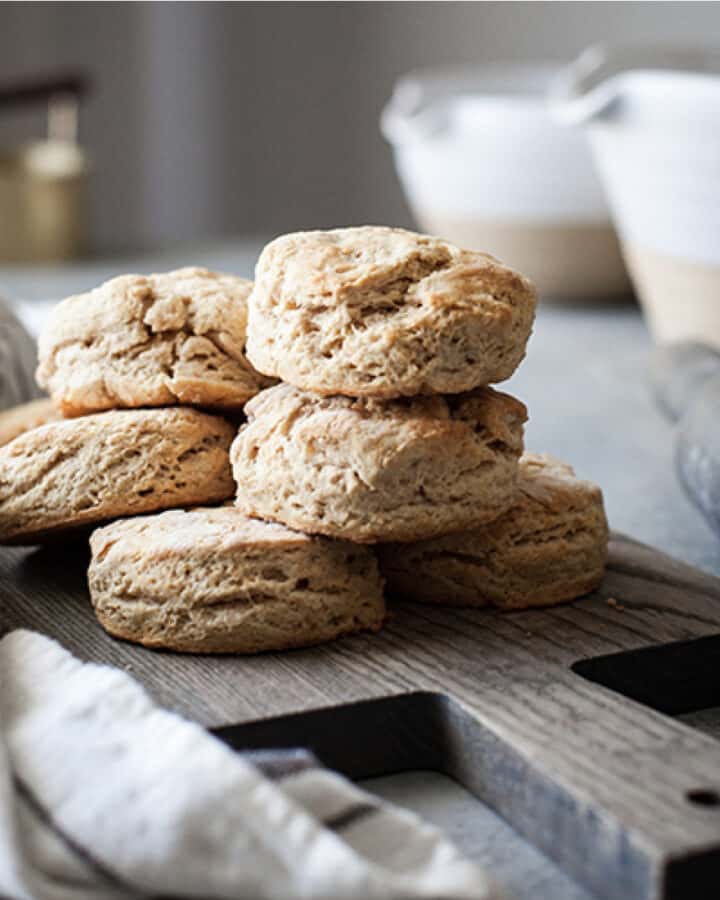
18,357
105,796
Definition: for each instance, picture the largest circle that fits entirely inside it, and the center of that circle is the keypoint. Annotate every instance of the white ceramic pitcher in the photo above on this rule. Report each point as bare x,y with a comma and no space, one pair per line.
653,118
484,164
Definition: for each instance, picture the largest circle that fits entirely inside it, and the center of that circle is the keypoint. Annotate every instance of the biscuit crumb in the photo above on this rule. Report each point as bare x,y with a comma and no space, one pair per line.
611,601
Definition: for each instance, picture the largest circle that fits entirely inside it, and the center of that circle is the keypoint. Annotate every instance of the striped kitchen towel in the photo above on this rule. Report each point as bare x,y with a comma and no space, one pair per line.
105,795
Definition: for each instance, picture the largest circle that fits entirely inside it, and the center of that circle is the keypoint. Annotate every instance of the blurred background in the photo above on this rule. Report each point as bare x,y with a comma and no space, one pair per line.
190,133
211,119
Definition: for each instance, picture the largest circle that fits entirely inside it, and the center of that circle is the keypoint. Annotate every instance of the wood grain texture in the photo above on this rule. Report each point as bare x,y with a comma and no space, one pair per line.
597,781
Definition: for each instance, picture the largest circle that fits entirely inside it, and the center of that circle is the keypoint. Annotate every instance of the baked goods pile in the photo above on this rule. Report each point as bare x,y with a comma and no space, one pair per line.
371,448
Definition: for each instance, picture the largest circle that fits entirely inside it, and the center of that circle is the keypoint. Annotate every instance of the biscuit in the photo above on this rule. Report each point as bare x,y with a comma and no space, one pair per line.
81,472
19,419
371,470
549,548
156,340
215,581
383,312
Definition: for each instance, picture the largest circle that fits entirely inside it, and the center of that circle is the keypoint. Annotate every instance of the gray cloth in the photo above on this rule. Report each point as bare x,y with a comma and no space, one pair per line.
697,450
686,378
18,358
105,796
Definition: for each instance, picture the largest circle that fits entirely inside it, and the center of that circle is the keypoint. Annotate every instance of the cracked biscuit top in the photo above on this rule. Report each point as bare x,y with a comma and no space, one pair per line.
155,340
383,312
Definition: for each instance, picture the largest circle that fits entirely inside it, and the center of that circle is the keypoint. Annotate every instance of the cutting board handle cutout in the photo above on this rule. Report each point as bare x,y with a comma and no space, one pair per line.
677,678
431,731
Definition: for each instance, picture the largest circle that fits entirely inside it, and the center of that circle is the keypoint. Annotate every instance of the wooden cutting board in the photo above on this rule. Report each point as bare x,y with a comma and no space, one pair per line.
556,719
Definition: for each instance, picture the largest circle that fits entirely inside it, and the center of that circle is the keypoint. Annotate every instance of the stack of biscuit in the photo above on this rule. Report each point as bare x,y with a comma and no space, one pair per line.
373,448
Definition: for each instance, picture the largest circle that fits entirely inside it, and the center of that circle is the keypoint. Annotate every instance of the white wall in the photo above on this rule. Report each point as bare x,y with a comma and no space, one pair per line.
213,118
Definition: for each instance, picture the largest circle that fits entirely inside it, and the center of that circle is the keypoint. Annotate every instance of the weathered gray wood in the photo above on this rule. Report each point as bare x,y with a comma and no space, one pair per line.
597,781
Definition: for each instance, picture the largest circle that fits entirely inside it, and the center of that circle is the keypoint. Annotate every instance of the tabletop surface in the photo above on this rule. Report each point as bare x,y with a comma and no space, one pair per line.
585,383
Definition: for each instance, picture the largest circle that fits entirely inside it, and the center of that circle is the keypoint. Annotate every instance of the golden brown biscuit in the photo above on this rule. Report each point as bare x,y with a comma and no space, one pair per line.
370,470
549,548
19,419
80,472
383,312
155,340
214,581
